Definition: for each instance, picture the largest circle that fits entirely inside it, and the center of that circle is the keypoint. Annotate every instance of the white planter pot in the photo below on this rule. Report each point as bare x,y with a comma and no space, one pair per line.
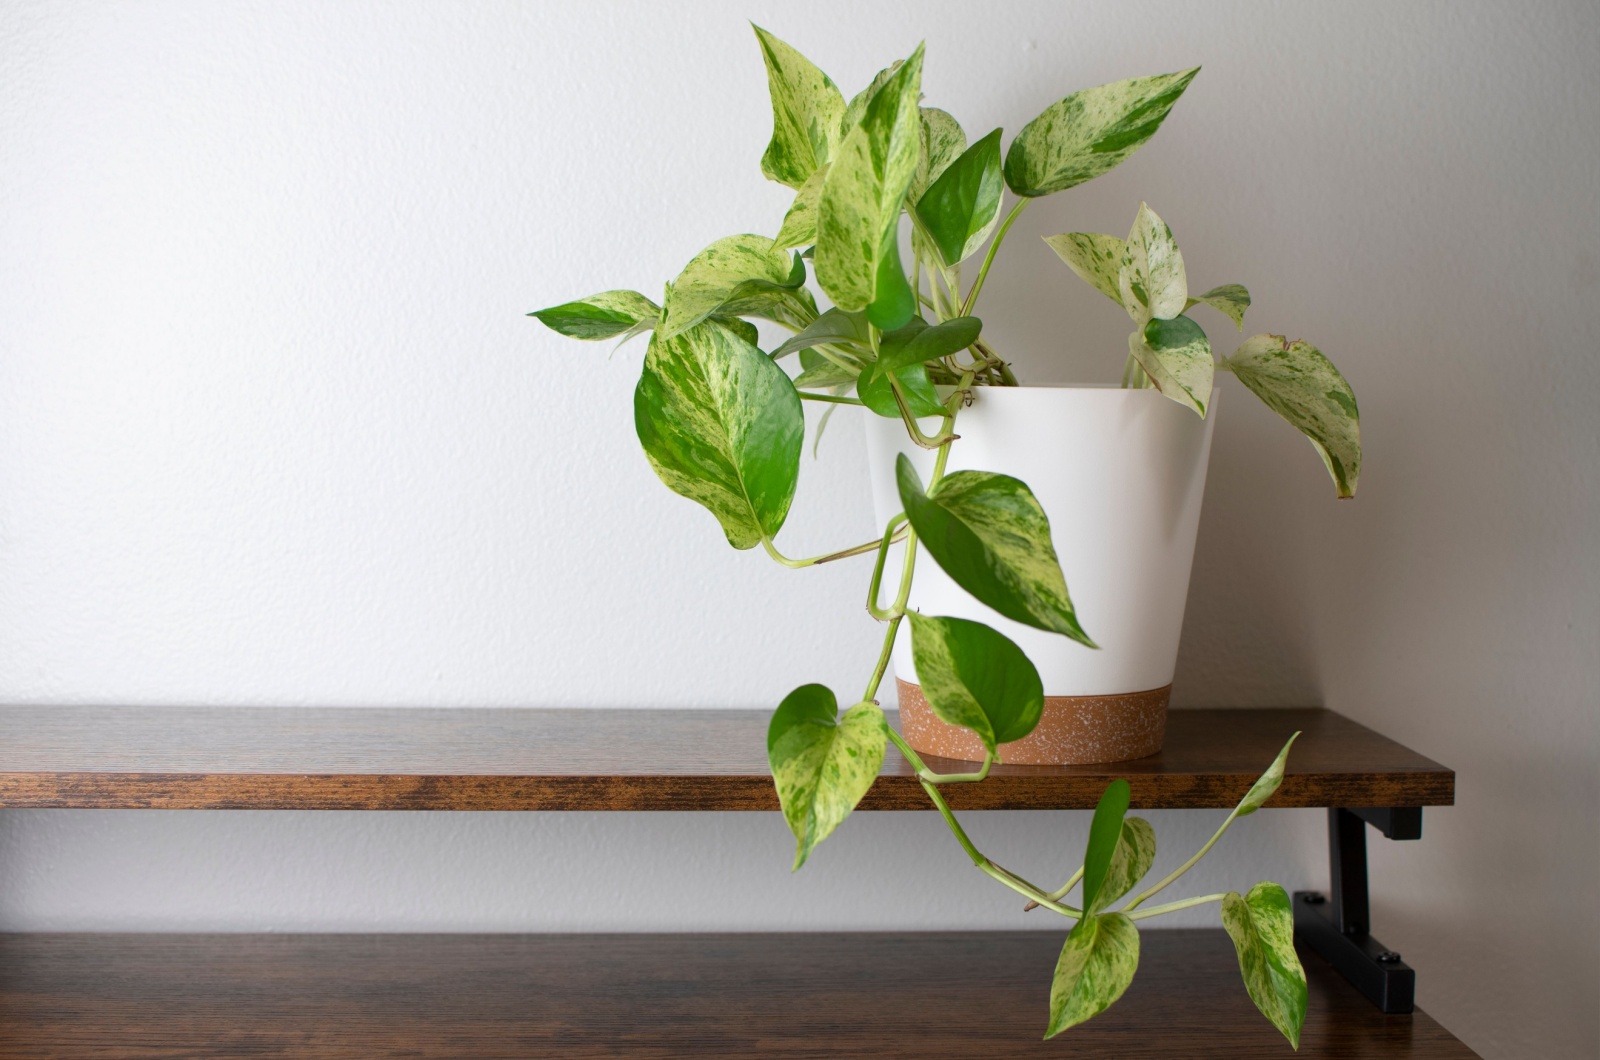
1120,474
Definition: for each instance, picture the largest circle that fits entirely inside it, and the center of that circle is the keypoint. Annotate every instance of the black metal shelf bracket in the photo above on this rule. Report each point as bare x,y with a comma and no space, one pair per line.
1337,925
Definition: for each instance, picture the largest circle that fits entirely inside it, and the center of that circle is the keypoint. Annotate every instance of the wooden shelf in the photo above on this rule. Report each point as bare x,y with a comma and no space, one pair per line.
531,759
928,996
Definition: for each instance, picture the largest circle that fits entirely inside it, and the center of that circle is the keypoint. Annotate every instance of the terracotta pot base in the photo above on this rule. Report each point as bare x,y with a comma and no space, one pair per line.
1073,730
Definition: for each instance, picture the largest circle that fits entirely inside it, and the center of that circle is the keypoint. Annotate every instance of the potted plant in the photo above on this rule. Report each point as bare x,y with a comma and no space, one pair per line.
721,422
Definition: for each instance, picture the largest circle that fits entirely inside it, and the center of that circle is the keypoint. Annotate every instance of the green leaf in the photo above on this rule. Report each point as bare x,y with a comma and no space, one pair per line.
1177,358
599,316
918,343
742,328
942,143
1096,965
1132,858
1097,259
977,677
806,110
745,275
1261,925
961,208
1266,783
858,249
820,766
1090,132
835,327
822,372
1151,279
857,107
1298,383
800,223
1231,300
991,536
722,425
873,388
1105,833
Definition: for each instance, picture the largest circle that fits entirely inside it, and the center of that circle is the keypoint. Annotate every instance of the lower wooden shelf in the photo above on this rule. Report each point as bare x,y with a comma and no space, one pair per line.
928,996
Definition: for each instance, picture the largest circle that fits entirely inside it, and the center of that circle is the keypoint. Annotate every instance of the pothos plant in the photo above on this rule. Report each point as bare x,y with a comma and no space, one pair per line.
721,421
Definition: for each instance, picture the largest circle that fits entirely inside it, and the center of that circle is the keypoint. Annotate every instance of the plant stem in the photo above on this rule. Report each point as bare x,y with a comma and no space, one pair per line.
959,778
988,259
889,538
832,399
1181,869
1061,891
1173,907
826,557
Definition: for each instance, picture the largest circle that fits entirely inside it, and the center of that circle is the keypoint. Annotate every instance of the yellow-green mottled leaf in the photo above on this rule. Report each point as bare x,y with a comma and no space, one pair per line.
1151,280
857,106
1182,372
744,275
1090,132
942,143
806,110
742,328
600,316
977,677
1298,383
1132,858
1266,783
991,536
722,425
858,256
1231,300
1097,259
961,208
800,223
822,766
1261,925
1096,965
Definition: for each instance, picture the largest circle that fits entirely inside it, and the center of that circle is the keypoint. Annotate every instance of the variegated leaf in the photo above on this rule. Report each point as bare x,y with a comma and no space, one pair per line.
1266,783
942,143
1151,280
1132,858
991,536
858,256
722,425
745,275
800,223
961,208
1096,966
819,371
806,110
858,102
1261,924
1231,300
1181,366
1298,383
822,766
600,316
976,677
1105,833
1090,132
1097,259
742,328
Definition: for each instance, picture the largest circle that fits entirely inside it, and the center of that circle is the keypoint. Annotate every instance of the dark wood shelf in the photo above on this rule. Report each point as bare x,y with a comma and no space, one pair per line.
928,996
305,758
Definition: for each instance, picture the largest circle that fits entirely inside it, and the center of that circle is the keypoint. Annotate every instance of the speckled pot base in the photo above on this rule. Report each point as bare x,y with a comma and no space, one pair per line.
1073,730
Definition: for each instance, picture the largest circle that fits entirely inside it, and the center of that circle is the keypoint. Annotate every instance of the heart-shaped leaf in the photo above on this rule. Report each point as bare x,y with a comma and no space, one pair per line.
1097,259
1151,280
833,327
1231,300
1096,965
858,256
1261,924
722,425
1105,832
799,227
942,143
975,676
991,536
1266,783
744,275
599,316
1090,132
1298,383
961,208
1177,357
806,111
821,765
1134,854
918,342
873,388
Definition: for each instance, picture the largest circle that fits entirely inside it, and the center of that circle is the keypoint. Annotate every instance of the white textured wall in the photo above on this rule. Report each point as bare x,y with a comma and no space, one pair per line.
273,429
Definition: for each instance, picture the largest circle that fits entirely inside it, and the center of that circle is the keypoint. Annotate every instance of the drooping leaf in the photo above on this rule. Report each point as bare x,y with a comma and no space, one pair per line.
873,388
1097,259
1261,924
1177,357
977,677
918,342
800,223
858,255
942,143
1105,831
991,536
961,208
1132,858
722,425
1231,300
599,316
1096,966
806,110
831,328
1090,132
1298,383
745,275
1151,280
822,766
1266,783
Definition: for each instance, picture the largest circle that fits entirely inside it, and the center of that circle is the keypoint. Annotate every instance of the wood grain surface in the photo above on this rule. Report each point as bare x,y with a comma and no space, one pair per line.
929,996
304,758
